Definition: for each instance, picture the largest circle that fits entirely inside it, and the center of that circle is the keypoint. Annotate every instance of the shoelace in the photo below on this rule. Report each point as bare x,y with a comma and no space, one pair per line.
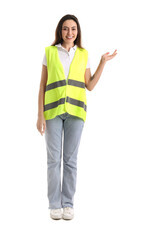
68,210
56,210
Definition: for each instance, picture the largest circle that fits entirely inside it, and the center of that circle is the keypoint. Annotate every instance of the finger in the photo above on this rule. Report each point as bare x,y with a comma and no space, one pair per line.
105,54
43,128
39,127
114,54
41,131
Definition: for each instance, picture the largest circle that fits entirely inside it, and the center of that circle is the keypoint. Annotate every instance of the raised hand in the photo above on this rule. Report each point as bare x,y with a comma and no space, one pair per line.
107,57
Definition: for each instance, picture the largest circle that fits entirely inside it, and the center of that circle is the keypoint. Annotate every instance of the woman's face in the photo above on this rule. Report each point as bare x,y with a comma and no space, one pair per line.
69,31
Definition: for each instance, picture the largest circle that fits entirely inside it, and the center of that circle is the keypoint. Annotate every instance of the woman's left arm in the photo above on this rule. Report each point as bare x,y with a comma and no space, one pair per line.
91,81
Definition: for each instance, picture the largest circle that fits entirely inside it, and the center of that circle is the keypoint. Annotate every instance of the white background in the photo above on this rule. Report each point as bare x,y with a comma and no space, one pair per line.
118,185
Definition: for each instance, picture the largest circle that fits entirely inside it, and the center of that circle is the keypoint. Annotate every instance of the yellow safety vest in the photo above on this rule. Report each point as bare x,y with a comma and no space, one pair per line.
61,94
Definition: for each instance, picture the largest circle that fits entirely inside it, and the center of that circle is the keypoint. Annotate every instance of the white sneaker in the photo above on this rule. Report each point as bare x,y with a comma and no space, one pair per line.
68,213
56,213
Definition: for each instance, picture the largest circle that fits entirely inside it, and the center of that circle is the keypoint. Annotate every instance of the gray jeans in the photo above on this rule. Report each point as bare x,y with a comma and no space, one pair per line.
62,133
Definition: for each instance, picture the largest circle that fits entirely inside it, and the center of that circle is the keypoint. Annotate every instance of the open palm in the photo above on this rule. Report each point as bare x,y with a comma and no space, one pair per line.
107,57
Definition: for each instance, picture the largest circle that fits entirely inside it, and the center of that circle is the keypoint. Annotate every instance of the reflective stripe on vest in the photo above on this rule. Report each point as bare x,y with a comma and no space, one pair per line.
62,101
65,95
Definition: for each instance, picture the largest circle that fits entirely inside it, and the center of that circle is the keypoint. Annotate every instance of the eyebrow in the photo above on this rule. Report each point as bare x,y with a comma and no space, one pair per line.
67,27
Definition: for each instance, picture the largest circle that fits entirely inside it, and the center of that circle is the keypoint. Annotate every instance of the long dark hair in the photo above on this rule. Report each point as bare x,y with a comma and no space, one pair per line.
58,32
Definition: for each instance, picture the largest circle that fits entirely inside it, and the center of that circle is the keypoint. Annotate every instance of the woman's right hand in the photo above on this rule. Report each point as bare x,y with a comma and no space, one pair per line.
41,124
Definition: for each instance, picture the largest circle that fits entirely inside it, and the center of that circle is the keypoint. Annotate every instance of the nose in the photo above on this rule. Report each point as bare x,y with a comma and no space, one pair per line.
69,31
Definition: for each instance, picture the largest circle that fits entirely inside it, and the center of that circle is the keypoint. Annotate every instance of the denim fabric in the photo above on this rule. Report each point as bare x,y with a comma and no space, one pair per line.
62,135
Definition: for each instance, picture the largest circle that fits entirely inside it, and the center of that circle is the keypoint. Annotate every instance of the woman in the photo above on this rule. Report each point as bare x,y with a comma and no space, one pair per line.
62,110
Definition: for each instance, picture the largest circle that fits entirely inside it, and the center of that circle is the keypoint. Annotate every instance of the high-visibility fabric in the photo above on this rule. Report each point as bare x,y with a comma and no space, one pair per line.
61,94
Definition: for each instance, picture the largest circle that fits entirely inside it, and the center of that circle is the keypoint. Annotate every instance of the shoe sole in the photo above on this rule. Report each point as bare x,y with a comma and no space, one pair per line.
67,218
56,217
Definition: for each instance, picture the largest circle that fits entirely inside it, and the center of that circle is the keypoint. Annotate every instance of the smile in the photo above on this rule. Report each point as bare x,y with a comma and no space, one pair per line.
69,37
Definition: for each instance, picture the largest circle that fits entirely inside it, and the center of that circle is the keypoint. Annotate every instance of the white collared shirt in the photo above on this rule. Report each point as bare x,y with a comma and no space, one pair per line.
65,58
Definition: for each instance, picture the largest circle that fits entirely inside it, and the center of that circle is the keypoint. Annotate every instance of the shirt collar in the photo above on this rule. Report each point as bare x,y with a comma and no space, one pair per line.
60,46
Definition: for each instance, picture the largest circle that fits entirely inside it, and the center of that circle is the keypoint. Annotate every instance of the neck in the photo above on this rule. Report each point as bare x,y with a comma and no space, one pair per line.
67,46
